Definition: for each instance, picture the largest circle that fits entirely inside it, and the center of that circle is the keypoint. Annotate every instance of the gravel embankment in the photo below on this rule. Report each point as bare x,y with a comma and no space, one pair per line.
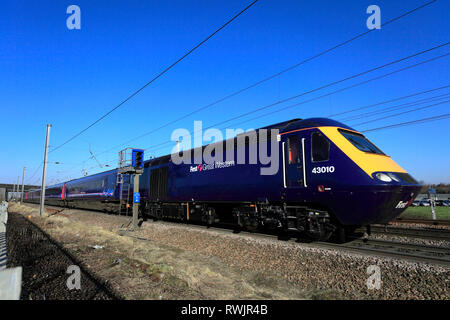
310,267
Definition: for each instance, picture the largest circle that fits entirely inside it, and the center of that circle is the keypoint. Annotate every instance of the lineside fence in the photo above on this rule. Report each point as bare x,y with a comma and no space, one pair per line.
10,279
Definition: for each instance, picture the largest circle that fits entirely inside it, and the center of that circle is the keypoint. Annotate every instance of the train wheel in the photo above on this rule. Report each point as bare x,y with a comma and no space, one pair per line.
321,235
237,229
341,235
210,217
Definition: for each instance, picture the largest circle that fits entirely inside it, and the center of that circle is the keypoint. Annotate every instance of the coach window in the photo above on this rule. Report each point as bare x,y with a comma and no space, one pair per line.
294,149
320,147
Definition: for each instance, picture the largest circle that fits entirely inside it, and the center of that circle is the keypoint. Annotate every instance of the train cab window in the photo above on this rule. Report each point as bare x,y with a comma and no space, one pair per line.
294,149
360,142
320,147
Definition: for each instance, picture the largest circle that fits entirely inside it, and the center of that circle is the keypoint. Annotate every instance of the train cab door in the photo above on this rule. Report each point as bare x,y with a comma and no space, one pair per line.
294,173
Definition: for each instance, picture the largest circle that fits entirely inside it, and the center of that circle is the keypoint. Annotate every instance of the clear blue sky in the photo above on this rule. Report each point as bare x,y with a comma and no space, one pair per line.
69,78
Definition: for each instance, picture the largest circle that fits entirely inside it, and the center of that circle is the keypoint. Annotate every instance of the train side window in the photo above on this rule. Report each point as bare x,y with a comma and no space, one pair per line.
294,149
320,147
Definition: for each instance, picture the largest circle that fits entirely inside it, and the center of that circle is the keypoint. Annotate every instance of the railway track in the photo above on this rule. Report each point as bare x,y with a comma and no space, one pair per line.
408,251
418,252
423,221
424,233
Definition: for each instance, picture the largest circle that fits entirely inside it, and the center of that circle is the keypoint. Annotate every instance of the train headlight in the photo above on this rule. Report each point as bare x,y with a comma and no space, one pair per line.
393,177
383,177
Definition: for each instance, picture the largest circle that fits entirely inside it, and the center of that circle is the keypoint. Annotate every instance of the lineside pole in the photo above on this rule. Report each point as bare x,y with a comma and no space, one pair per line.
44,170
432,205
15,195
23,180
135,204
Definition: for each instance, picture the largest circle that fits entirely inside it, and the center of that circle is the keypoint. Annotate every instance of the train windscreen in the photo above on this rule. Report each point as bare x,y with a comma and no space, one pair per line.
360,142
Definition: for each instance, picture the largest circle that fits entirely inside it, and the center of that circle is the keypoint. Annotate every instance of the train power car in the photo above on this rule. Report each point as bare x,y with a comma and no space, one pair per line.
329,179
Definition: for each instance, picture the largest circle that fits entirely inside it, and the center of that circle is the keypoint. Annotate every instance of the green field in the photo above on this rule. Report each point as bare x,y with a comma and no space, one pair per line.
425,213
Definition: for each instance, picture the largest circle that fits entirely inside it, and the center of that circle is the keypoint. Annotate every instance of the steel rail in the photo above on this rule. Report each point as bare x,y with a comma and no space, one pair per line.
425,233
423,221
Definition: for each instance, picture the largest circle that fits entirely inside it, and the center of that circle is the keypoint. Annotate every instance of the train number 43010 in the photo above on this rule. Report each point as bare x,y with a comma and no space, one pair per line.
328,169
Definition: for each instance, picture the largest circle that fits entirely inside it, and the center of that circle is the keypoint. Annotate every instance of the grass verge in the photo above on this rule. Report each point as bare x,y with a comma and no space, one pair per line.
442,213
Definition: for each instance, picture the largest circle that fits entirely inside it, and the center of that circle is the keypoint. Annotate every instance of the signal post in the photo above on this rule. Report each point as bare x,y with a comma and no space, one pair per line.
131,161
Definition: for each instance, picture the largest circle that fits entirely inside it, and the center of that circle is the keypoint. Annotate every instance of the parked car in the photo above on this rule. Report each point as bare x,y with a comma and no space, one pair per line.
446,203
415,203
425,202
439,202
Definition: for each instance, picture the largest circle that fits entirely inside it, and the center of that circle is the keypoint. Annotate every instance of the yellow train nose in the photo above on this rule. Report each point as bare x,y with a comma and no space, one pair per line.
369,162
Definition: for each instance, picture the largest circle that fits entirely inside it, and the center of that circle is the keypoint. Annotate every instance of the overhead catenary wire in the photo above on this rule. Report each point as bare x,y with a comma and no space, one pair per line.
35,172
310,100
162,145
36,182
286,70
154,78
337,82
386,101
402,113
328,85
343,89
402,124
341,44
398,107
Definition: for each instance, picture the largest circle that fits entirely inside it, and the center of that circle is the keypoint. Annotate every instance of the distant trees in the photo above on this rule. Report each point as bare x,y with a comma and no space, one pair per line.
440,188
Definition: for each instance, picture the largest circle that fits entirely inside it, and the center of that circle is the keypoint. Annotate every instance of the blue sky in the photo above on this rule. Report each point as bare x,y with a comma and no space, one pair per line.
69,78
